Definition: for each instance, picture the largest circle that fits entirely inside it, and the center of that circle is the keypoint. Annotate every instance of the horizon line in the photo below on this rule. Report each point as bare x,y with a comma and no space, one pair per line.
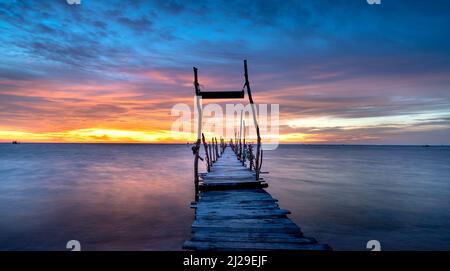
190,143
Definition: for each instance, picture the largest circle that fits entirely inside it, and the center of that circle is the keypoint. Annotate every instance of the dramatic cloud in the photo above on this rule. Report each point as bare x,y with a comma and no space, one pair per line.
342,71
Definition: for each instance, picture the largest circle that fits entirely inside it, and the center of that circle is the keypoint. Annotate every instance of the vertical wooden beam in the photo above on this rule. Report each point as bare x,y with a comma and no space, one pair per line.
208,159
240,136
235,143
244,147
199,129
210,151
251,158
217,148
214,149
196,84
252,104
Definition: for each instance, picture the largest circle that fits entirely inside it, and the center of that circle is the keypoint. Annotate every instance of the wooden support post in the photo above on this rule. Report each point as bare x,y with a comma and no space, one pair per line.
240,137
251,157
208,160
237,145
212,149
199,129
252,104
217,148
214,146
235,142
244,146
196,180
260,161
212,156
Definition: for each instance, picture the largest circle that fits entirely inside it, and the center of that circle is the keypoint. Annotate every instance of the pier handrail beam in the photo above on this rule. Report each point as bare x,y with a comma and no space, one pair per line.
225,95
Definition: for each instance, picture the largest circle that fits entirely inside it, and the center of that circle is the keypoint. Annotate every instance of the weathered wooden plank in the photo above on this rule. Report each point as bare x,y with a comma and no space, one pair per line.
234,196
231,182
255,192
233,167
236,205
253,239
250,222
231,185
240,246
235,192
230,173
240,200
203,233
237,212
247,227
229,198
241,216
229,177
226,172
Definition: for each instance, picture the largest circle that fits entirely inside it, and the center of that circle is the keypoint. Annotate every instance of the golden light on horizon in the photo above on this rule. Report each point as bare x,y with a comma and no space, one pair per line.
99,135
301,138
105,135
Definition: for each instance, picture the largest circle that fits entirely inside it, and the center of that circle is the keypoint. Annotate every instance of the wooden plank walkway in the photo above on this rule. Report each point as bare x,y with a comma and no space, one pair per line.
234,212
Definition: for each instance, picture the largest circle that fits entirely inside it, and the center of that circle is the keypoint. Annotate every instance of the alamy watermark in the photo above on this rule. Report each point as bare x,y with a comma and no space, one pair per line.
374,2
73,2
73,245
373,245
225,121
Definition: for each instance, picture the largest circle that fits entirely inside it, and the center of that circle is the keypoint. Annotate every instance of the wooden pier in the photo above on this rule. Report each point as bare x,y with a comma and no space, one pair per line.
233,212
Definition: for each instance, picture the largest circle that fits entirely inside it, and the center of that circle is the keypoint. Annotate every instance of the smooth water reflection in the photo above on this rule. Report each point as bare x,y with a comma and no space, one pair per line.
136,197
112,197
347,195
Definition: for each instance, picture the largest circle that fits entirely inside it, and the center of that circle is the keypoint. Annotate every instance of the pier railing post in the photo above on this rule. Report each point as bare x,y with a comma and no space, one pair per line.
208,159
251,157
240,137
236,145
252,104
217,148
212,156
243,145
199,131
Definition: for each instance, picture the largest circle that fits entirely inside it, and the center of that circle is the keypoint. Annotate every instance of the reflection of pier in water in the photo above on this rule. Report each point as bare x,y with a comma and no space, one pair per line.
232,210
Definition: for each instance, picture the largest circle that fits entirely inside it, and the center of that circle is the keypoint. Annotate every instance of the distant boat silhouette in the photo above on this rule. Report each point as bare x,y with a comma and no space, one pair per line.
14,142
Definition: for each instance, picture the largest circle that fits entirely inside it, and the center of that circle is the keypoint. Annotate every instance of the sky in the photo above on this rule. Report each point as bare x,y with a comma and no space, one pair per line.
342,72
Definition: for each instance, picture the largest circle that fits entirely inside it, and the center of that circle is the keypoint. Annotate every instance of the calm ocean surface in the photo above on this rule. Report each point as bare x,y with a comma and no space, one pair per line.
136,197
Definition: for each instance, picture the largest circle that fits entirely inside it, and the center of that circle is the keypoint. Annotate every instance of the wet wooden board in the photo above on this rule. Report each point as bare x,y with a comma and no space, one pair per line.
252,246
235,213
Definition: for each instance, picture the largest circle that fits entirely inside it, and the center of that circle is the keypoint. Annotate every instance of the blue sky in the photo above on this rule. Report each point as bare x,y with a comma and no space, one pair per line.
342,71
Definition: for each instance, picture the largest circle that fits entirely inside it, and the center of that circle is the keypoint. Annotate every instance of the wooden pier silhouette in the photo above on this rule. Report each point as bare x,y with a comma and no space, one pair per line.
232,209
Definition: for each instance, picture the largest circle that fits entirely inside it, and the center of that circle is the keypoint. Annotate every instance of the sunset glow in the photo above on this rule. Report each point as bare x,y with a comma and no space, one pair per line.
109,72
